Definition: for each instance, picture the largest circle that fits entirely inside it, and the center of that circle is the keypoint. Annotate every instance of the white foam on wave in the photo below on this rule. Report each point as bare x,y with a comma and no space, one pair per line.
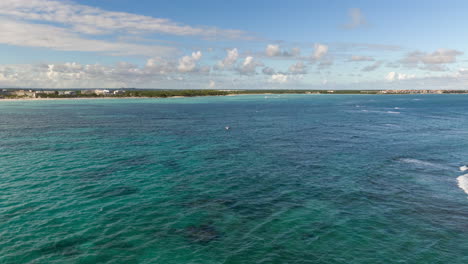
424,163
463,183
391,125
464,168
392,112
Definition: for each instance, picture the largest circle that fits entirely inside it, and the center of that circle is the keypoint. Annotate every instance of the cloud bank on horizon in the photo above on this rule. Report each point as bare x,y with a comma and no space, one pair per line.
320,45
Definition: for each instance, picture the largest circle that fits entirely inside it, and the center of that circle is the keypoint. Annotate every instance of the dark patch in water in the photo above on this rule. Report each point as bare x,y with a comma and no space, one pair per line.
97,174
218,203
135,161
202,233
17,212
171,164
115,192
66,247
320,230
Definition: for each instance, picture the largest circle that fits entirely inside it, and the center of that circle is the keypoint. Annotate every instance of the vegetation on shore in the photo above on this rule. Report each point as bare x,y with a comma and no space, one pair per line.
191,93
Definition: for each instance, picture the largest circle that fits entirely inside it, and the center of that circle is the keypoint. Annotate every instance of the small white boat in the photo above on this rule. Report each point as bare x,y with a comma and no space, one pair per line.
464,168
227,127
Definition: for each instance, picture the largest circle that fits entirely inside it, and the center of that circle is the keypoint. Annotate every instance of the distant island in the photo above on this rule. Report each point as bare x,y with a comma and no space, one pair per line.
148,93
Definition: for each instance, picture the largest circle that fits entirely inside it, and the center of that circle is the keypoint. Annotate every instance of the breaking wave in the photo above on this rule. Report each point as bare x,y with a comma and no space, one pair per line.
422,163
463,183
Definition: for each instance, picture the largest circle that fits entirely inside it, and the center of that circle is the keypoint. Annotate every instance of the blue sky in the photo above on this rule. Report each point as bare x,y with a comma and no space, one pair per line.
234,44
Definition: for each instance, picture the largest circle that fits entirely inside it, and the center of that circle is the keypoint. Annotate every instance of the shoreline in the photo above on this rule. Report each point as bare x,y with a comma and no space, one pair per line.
180,96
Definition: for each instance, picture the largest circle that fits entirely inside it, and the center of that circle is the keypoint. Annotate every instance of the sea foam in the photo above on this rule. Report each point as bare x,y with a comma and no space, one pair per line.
421,163
463,183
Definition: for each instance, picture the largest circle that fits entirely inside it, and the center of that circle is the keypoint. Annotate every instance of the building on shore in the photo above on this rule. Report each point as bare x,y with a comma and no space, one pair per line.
118,92
69,93
20,93
414,91
45,92
88,92
102,92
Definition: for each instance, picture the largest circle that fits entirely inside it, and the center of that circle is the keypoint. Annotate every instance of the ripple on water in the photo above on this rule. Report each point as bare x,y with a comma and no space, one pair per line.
303,181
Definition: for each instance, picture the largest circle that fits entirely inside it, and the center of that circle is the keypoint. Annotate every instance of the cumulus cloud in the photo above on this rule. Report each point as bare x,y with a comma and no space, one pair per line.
159,65
298,68
372,67
394,76
230,59
249,66
320,50
156,73
95,21
67,75
440,56
274,50
189,63
279,78
361,58
356,18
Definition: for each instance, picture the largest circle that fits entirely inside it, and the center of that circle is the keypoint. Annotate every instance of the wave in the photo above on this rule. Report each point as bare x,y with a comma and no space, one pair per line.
391,125
422,163
463,183
380,112
464,168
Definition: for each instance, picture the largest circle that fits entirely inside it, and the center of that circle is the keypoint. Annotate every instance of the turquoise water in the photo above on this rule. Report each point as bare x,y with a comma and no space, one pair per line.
296,179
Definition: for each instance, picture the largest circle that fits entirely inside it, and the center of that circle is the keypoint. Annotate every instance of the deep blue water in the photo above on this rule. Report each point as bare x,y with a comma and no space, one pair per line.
296,179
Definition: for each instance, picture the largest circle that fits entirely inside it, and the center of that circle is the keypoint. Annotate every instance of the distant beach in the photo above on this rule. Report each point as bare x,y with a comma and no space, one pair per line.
11,95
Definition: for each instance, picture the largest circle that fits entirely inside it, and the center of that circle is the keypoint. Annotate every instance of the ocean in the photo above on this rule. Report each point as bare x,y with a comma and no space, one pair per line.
235,179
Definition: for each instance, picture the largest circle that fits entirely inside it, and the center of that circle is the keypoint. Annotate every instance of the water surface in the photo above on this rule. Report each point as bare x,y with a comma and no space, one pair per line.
296,179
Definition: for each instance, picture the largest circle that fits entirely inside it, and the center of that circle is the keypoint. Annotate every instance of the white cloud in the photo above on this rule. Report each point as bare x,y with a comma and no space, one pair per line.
440,56
68,75
357,19
272,50
91,20
230,59
47,36
279,78
298,68
189,63
159,65
157,73
394,76
249,66
320,50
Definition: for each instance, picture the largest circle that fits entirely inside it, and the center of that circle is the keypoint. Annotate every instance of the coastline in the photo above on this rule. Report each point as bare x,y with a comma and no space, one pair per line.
181,96
77,98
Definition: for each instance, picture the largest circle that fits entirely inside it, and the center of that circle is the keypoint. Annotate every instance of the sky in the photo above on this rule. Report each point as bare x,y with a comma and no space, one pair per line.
255,44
